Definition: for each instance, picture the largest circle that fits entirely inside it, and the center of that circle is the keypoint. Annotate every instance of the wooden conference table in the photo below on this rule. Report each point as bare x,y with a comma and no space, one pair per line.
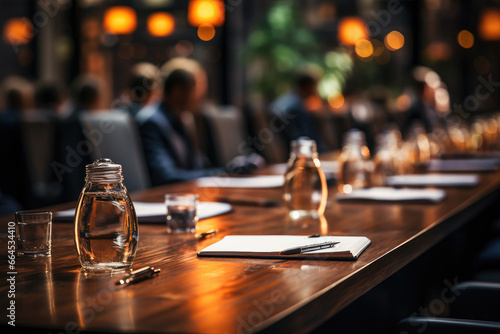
232,295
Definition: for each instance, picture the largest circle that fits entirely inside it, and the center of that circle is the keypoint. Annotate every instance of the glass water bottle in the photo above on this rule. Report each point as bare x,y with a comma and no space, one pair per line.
354,162
385,160
305,191
106,230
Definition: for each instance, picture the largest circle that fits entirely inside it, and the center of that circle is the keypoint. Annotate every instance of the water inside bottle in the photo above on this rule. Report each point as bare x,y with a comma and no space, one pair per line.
106,231
303,195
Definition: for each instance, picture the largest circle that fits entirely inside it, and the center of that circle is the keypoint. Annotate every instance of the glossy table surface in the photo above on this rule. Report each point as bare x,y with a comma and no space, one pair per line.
232,295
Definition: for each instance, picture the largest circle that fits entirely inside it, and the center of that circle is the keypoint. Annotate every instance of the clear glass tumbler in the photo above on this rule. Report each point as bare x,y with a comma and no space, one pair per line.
34,233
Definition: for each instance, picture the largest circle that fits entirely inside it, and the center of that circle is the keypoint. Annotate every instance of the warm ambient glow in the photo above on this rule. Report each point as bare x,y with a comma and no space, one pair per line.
489,25
161,24
206,11
364,48
120,20
17,31
206,32
336,100
313,103
351,29
465,39
394,40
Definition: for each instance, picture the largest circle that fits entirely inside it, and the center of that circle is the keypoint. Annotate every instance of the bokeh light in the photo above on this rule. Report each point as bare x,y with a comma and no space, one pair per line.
206,12
336,100
394,40
313,103
364,48
489,25
465,39
17,31
482,64
161,24
206,32
403,102
120,20
352,29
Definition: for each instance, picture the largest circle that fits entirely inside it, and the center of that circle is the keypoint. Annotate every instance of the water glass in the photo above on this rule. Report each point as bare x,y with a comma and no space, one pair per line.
182,213
34,233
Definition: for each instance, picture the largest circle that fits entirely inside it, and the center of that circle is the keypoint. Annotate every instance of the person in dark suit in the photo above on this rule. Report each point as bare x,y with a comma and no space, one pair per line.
168,149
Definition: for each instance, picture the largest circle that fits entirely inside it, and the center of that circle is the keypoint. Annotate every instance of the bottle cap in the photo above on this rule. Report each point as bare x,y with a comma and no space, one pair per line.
303,146
104,170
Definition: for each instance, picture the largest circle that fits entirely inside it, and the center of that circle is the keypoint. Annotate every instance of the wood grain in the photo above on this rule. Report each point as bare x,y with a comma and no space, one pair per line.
217,295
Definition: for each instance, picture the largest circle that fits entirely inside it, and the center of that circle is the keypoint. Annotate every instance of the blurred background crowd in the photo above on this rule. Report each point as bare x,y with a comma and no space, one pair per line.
174,90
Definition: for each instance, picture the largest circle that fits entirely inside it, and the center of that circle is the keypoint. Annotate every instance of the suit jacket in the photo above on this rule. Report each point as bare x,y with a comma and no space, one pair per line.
169,153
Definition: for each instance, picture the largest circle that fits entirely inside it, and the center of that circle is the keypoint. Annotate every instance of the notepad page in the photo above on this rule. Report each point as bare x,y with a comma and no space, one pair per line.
434,180
264,181
273,244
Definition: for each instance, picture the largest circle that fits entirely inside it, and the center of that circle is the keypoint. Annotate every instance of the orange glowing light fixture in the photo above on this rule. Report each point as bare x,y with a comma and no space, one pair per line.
161,24
465,39
489,25
120,20
206,32
18,31
206,12
394,40
352,29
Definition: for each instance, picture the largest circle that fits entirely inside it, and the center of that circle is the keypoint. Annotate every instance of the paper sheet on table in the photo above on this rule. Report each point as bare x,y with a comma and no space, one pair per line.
443,180
264,181
463,165
156,212
394,195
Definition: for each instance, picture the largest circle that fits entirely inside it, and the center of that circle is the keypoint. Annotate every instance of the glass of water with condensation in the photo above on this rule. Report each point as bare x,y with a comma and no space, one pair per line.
34,233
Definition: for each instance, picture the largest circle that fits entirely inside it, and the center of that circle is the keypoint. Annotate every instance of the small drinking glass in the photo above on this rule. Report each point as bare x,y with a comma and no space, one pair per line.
182,213
34,233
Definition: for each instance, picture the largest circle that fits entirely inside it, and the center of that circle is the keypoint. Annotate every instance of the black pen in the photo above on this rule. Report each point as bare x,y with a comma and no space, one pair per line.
308,248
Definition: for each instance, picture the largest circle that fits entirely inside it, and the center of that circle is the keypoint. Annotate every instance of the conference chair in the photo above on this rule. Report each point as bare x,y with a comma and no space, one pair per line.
227,127
114,135
38,138
474,308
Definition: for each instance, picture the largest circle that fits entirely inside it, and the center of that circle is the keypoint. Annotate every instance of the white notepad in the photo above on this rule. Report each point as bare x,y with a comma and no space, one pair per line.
264,181
270,246
457,165
394,195
443,180
156,212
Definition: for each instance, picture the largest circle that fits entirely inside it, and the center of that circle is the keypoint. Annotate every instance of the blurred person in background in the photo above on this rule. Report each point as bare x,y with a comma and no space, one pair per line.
84,96
169,151
423,108
195,122
48,97
17,97
294,107
143,88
